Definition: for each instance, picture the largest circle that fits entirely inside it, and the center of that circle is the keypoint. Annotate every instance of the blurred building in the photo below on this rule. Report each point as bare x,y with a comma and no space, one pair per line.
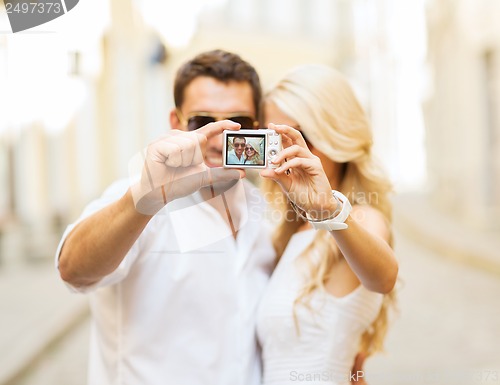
462,111
75,107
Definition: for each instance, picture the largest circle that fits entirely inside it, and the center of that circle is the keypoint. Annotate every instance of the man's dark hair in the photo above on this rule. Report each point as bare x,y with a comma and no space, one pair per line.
220,65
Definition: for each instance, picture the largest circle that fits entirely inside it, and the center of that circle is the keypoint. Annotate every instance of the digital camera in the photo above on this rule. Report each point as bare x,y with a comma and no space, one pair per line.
250,148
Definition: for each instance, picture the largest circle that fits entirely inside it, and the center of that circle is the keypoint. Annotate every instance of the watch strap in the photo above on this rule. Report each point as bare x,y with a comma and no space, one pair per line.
337,222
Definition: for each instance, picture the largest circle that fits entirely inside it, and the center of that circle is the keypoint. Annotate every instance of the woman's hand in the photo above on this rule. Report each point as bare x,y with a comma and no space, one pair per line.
365,243
301,175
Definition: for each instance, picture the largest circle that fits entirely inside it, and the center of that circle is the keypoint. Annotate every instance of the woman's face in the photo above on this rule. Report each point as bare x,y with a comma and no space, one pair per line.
272,114
249,151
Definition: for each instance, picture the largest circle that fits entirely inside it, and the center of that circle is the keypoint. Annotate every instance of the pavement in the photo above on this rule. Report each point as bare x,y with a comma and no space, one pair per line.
418,219
446,330
37,310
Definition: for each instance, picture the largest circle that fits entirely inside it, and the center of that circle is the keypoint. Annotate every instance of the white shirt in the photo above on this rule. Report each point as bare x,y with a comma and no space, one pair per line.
181,307
324,351
232,158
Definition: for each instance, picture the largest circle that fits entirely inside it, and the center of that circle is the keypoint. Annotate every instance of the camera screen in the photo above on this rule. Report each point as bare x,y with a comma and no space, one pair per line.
245,149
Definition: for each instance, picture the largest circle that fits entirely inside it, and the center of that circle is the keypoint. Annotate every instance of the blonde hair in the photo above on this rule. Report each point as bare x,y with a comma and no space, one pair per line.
322,102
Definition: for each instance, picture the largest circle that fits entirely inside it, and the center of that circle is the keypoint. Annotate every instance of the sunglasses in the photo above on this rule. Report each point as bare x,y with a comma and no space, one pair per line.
238,144
196,120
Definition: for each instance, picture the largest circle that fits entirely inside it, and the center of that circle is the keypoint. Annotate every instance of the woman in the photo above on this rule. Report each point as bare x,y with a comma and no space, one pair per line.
328,297
252,155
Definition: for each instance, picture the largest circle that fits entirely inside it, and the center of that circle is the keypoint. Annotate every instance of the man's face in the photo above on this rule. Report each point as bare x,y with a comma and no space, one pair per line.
206,94
239,146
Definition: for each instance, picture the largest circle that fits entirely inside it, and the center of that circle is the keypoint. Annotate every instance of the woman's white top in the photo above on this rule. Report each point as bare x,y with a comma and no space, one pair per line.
324,350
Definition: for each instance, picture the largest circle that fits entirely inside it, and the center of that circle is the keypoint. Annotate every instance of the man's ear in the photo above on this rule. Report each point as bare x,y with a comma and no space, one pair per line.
175,123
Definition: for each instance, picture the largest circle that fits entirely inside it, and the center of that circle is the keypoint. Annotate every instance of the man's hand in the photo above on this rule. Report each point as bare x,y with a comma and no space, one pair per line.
173,166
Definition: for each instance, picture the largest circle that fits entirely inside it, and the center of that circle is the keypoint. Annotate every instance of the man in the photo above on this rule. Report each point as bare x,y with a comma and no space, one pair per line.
173,283
174,287
235,156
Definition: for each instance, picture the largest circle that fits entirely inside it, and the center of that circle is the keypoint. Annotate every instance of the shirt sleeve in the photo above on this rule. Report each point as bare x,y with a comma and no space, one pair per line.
112,194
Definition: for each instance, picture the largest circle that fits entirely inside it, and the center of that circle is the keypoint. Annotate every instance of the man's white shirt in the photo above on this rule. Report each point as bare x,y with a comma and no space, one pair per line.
181,307
232,158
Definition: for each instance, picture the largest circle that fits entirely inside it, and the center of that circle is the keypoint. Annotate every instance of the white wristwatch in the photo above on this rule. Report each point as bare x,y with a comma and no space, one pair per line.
337,222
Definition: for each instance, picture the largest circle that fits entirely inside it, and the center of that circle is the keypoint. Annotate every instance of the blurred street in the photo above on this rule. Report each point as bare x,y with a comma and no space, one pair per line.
38,319
65,363
446,331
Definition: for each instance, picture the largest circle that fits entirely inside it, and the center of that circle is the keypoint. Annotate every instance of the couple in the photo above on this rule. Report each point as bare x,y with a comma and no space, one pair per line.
177,265
245,152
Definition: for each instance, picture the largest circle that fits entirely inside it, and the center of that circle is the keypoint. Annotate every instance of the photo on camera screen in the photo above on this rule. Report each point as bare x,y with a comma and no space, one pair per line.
245,150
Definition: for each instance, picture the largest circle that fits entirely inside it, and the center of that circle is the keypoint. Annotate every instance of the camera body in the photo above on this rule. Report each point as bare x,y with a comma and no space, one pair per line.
250,148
